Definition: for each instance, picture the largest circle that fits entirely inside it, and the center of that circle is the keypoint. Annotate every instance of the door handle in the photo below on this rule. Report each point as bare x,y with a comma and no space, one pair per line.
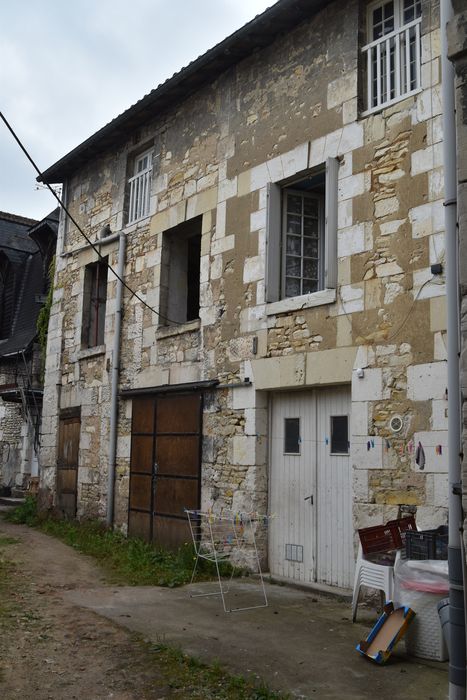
309,498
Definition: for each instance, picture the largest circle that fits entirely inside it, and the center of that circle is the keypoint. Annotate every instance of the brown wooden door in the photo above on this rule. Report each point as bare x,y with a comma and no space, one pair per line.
165,467
67,463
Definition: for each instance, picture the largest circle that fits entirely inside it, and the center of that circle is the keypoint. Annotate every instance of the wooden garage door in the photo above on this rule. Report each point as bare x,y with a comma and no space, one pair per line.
67,462
165,467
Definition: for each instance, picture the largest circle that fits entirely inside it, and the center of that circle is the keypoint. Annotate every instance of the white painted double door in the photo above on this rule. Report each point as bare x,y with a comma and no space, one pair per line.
310,487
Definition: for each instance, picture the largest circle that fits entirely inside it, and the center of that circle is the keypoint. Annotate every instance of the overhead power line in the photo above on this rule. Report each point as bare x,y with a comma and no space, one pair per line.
78,227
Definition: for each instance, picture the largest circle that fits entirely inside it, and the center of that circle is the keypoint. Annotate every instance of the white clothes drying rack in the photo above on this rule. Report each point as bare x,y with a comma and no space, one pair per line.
221,538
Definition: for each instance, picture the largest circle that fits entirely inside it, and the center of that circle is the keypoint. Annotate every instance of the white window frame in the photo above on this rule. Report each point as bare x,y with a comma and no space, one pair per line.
276,302
140,188
378,49
320,257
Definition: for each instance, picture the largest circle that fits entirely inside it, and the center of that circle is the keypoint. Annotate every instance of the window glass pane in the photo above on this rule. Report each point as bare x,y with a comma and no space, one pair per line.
309,286
383,20
339,434
294,224
310,207
292,287
294,245
293,267
292,436
310,227
301,241
412,10
310,269
294,204
310,247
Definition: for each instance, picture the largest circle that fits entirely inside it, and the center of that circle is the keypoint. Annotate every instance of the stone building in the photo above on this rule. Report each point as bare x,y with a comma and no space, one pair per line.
457,45
281,202
26,250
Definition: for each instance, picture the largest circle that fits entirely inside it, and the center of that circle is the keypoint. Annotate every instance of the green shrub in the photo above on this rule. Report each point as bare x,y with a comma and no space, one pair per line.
25,513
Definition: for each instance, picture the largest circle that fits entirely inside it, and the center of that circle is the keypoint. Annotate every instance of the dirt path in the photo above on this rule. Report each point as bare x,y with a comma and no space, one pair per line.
60,638
49,649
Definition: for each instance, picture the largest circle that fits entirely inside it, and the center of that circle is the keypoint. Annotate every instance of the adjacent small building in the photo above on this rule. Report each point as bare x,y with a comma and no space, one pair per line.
26,251
277,206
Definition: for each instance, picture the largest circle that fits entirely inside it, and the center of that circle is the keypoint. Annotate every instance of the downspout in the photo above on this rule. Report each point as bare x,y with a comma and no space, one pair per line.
114,381
457,675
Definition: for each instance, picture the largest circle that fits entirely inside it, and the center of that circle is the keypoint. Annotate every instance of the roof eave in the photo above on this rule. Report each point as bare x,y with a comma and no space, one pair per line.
255,35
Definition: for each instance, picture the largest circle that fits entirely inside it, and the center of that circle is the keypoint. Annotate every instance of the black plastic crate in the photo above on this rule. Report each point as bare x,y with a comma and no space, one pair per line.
427,544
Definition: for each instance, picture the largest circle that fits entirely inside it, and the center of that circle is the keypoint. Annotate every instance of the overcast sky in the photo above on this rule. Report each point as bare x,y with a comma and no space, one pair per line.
68,68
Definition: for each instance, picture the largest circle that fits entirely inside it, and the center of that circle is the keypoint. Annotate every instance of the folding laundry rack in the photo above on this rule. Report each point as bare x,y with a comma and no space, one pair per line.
222,538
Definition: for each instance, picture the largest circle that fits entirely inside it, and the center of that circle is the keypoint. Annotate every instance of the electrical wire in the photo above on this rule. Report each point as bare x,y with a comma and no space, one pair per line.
78,227
135,294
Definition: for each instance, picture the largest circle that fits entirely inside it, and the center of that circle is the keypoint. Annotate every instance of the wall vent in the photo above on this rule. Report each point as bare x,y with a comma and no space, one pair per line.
294,552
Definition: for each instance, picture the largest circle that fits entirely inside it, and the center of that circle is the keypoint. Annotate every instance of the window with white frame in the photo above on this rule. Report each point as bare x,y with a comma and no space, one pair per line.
301,236
140,187
302,243
392,54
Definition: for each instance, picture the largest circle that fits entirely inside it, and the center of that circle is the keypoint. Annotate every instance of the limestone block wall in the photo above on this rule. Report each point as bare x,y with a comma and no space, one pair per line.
457,46
273,117
10,443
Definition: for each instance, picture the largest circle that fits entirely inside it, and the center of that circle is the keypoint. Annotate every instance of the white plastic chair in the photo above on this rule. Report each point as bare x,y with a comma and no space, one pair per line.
377,540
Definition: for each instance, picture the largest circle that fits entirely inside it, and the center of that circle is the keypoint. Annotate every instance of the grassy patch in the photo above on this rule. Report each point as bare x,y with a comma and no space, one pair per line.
128,561
7,607
25,513
188,677
134,562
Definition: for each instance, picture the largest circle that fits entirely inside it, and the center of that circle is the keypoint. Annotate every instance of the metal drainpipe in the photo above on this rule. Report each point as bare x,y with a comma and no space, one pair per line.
114,382
457,675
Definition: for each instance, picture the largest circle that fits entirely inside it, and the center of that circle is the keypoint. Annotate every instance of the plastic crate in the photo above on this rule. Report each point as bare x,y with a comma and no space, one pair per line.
400,527
425,638
427,544
377,540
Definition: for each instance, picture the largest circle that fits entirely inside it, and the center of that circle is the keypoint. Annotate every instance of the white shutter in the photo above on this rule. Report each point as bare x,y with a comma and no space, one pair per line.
273,242
330,229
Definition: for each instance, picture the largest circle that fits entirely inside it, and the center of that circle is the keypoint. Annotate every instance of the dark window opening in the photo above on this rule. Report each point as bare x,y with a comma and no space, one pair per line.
180,273
95,299
292,436
8,290
339,435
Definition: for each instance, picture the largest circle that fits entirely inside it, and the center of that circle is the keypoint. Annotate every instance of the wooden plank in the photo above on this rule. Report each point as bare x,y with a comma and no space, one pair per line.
141,459
143,415
172,496
178,414
141,492
139,525
173,533
178,455
67,464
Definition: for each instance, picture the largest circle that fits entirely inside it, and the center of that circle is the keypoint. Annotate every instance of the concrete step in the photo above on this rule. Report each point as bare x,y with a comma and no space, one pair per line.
11,501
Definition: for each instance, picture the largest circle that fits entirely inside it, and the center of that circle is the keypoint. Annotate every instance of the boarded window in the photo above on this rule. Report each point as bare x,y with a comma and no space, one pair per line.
292,436
340,435
94,303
